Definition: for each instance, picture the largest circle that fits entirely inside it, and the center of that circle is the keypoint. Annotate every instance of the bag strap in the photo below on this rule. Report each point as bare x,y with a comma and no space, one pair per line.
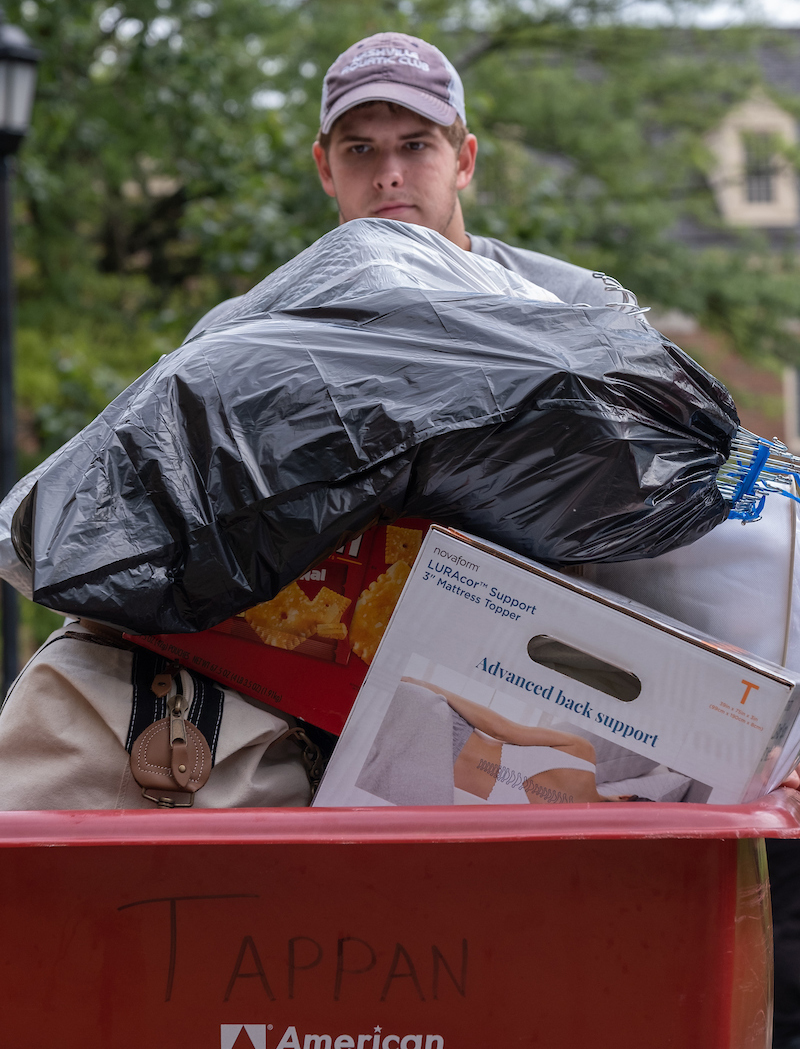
205,711
148,705
171,756
98,639
312,756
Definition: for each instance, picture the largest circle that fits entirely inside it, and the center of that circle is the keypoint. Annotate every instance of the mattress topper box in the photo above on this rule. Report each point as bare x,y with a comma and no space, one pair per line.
306,652
501,681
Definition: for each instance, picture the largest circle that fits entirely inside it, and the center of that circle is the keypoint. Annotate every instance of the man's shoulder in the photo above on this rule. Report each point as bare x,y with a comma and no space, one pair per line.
571,283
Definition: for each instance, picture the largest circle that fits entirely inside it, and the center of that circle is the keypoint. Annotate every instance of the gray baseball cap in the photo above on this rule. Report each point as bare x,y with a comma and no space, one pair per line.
393,67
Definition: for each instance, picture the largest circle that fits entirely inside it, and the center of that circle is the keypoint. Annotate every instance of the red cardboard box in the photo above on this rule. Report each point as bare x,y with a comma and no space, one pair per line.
317,680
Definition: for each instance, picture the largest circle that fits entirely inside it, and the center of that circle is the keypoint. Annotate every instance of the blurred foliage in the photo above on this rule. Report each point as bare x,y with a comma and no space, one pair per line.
169,167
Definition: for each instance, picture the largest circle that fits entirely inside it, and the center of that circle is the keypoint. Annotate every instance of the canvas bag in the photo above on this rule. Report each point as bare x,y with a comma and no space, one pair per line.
68,719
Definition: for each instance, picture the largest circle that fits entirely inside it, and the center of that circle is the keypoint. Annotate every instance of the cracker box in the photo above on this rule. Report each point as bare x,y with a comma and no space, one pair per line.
499,681
307,651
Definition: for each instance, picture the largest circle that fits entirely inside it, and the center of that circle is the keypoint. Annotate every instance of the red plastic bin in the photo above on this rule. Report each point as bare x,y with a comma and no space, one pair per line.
626,926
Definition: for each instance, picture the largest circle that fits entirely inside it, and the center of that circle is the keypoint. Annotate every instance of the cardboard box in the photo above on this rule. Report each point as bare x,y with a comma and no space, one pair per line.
319,676
502,653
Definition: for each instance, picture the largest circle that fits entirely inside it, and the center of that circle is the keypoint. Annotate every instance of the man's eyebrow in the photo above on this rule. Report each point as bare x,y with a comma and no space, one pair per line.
423,132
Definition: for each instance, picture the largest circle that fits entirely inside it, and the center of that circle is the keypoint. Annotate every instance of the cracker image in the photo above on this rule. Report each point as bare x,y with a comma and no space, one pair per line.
290,618
328,606
402,544
289,612
278,638
374,608
336,631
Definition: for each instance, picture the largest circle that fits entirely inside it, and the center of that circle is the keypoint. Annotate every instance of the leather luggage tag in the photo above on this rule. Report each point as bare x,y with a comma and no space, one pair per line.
171,754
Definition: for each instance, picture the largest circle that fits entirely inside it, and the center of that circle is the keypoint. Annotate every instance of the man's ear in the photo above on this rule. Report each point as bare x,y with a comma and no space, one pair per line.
324,169
466,162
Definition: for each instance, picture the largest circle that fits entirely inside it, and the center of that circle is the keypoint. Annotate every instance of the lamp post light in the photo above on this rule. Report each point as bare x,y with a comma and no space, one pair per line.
18,61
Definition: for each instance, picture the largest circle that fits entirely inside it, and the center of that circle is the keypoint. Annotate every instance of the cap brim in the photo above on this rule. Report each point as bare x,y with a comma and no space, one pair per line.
412,98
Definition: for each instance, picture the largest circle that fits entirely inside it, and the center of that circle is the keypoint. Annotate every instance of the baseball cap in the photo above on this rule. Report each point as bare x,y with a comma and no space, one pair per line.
393,67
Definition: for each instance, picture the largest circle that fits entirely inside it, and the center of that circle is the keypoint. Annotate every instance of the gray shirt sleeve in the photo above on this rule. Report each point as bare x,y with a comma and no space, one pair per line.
571,283
462,730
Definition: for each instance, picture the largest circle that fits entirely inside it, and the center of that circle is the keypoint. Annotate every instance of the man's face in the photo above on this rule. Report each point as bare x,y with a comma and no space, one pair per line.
396,165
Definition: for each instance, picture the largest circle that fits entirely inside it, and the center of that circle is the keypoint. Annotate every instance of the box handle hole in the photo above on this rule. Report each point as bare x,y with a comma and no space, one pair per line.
580,666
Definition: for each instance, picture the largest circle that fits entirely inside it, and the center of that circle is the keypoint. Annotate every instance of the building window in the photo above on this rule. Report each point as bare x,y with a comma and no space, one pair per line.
761,167
754,178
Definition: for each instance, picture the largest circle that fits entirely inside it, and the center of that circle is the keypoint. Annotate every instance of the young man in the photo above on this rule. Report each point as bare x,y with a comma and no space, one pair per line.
393,144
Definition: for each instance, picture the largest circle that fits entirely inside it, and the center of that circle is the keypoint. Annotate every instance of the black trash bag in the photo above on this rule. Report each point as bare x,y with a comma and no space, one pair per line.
406,378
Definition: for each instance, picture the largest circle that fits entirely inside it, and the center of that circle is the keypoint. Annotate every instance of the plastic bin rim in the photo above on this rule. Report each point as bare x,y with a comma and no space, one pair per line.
774,816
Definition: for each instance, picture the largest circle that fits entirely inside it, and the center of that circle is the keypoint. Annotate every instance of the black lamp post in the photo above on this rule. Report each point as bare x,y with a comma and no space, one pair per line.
18,62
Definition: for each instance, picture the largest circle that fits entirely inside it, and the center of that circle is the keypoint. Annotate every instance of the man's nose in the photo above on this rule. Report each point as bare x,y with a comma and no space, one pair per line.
389,176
